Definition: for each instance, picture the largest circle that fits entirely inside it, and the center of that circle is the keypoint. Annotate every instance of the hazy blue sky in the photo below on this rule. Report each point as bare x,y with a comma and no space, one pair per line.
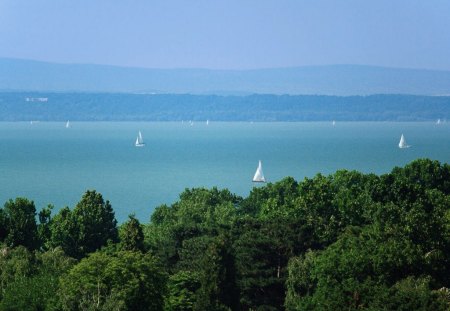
228,34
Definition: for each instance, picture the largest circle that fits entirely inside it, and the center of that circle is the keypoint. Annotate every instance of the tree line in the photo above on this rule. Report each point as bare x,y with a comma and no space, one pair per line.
345,241
48,106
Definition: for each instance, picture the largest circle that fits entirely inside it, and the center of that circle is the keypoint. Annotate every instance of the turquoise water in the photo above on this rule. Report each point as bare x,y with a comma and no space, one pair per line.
48,163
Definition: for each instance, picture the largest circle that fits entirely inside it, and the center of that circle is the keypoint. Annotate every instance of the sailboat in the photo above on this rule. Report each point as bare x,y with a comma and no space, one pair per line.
334,123
67,124
139,140
207,122
259,176
438,121
402,144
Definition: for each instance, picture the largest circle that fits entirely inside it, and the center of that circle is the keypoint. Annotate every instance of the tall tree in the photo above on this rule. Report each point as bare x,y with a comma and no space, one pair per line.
20,219
96,221
218,289
64,232
132,235
44,231
85,229
3,223
262,250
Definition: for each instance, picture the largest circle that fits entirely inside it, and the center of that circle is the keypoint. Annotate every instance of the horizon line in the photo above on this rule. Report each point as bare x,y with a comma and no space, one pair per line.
218,69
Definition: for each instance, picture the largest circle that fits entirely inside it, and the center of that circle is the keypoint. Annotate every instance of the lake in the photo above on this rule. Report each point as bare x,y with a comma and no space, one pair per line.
49,163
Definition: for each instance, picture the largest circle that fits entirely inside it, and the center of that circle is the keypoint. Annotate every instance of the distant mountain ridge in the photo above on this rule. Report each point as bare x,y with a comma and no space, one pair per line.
341,80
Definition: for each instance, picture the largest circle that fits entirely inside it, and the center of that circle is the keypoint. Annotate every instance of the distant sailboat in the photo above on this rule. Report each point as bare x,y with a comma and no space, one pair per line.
67,124
438,121
402,144
259,176
334,123
139,140
207,122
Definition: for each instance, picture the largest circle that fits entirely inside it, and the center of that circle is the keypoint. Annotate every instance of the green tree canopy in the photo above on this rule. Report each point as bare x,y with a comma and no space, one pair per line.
344,241
121,281
132,235
96,220
199,212
182,287
19,219
34,288
87,228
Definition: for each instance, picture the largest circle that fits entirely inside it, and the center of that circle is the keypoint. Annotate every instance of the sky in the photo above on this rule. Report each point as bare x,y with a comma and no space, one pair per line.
228,34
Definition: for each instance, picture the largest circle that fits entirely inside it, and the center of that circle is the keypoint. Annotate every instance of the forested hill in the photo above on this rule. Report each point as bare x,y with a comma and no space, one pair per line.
17,74
50,106
347,241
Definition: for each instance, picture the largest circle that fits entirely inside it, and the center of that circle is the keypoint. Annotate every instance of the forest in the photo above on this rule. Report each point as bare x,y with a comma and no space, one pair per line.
52,106
345,241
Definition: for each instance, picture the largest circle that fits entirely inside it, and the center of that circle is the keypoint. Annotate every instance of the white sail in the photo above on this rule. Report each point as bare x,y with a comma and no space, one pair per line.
334,123
67,124
207,122
139,140
402,144
259,176
438,121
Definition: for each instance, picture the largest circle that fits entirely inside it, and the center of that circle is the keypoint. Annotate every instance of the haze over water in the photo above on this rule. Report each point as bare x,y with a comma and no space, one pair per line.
48,163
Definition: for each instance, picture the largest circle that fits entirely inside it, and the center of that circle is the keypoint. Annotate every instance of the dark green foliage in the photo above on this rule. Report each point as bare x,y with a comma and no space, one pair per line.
121,281
44,230
182,287
426,174
341,275
37,292
87,228
96,221
30,281
218,290
53,262
65,231
132,235
416,294
271,201
373,232
19,221
191,236
351,197
15,264
362,267
260,264
199,212
204,209
30,293
3,223
407,184
345,241
192,252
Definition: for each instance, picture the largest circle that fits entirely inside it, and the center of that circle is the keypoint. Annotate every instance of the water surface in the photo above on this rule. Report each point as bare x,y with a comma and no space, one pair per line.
48,163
